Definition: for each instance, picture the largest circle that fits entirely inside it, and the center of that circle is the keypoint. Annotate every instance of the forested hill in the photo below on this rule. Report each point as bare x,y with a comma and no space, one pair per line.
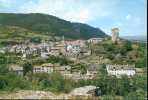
50,25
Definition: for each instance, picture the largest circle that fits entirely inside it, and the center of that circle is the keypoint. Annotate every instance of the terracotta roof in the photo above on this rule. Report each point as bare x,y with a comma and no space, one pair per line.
139,70
60,45
15,46
47,65
55,48
37,66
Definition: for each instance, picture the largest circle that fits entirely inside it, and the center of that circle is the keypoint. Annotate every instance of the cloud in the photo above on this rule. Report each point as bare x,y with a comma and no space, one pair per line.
128,17
133,20
5,3
73,10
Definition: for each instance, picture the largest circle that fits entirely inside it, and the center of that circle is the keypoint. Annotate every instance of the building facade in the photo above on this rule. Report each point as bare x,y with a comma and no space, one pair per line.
120,70
47,67
95,40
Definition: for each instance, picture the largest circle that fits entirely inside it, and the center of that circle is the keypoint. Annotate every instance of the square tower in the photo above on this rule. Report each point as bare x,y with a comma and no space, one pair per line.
115,34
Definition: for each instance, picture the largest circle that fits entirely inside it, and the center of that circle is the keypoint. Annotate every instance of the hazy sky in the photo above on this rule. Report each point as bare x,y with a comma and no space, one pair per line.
129,15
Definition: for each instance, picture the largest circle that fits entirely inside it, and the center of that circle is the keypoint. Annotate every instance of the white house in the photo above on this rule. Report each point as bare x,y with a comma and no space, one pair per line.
46,55
47,67
95,40
120,70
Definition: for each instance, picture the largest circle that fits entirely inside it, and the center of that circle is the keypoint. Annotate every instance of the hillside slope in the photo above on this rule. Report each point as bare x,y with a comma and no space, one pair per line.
50,25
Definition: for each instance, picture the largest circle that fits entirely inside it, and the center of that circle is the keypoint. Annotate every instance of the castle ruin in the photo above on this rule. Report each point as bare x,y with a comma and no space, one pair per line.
115,35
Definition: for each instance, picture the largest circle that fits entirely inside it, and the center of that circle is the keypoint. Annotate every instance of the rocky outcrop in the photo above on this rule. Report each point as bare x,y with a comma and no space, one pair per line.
30,94
83,92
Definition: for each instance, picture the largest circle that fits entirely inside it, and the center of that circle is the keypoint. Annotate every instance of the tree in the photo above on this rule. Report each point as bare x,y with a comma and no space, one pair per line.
131,96
110,56
3,82
2,58
110,47
141,93
109,38
128,45
3,69
27,67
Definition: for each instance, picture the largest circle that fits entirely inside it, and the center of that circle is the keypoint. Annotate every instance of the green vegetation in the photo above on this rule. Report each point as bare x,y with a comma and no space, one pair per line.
11,35
50,25
55,82
59,59
125,87
127,54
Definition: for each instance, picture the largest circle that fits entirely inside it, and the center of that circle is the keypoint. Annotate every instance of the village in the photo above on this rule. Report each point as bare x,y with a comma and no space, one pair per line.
72,50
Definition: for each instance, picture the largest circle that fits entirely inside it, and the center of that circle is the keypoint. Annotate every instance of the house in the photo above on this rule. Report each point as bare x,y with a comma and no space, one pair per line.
69,48
17,69
62,48
13,48
37,69
85,51
95,40
43,47
73,47
65,70
120,70
27,54
75,74
46,67
24,48
5,49
94,69
46,55
55,51
18,49
2,50
81,42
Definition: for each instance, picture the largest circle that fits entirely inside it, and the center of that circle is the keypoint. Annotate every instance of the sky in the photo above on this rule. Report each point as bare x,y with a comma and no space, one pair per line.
130,16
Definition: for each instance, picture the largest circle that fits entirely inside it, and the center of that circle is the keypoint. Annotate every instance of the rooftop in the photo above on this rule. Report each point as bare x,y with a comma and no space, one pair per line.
55,48
95,68
47,65
37,67
16,67
139,70
119,67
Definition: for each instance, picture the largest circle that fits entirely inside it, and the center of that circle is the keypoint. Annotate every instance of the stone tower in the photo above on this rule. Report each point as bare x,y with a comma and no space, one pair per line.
115,34
63,40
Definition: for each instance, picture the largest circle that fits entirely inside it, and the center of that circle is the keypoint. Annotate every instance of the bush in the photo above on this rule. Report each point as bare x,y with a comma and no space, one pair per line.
110,56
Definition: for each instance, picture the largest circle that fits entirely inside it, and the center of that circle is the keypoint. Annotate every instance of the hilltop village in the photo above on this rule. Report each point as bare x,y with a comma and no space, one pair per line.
77,51
75,59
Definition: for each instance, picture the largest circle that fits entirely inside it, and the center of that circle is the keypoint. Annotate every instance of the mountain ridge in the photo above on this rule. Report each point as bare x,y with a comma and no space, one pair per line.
51,25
